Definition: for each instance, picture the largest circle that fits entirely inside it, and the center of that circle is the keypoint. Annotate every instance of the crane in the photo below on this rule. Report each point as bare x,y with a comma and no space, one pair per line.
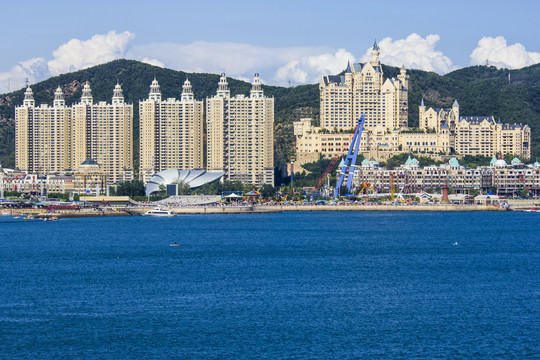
350,159
332,163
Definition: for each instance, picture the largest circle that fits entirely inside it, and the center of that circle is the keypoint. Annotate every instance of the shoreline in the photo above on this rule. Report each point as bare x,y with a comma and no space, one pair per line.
260,209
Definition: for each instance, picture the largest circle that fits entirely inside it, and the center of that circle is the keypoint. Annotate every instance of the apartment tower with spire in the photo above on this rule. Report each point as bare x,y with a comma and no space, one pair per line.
240,134
42,135
58,139
171,132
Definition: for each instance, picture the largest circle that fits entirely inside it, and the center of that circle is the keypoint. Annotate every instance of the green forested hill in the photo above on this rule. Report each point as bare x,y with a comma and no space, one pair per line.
135,78
479,90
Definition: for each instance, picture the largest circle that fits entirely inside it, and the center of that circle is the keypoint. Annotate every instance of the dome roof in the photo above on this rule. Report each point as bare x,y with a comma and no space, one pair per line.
515,161
193,178
453,162
500,163
408,161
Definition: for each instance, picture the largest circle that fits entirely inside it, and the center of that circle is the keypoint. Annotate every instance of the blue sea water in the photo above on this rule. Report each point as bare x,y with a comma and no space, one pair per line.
326,285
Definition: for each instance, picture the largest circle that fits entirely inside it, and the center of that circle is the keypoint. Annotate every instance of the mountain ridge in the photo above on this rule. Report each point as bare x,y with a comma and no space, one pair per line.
480,90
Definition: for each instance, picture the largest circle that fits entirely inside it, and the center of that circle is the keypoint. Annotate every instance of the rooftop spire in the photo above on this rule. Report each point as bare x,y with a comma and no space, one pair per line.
86,97
256,87
402,70
118,96
375,54
155,93
422,103
59,97
187,91
29,97
223,87
58,94
348,70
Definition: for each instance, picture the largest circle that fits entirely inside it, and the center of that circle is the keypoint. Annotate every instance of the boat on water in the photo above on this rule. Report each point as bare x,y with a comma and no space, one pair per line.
158,212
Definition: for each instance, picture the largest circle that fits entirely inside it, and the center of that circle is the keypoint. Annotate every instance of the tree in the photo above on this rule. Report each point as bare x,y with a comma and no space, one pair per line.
475,161
524,193
162,192
183,188
474,192
267,191
131,188
213,188
232,186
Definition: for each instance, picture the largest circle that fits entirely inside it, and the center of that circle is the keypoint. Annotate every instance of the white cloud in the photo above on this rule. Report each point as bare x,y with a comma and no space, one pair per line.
309,69
154,62
414,52
16,77
498,53
280,66
74,55
234,59
77,54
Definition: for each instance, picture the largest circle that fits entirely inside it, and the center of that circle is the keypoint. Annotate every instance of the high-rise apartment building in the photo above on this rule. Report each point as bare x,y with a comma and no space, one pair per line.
240,134
60,138
104,132
171,132
42,135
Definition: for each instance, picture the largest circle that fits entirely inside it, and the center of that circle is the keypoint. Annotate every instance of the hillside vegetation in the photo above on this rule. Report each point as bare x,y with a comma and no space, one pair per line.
479,90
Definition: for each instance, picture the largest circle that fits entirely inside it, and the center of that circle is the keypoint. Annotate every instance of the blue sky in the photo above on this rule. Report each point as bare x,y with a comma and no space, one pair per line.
285,41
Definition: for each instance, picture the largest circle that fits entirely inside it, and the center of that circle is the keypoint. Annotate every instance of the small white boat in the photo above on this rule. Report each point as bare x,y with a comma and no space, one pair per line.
455,244
158,212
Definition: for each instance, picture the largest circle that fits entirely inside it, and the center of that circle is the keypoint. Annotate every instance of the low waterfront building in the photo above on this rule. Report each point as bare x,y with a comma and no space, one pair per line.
90,178
507,179
175,177
512,179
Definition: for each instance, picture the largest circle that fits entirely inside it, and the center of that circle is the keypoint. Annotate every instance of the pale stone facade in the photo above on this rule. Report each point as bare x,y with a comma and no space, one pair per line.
482,135
58,139
171,132
104,133
90,178
240,134
363,90
42,135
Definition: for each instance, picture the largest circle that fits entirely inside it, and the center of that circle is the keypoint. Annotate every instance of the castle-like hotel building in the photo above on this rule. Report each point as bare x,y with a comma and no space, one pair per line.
363,90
